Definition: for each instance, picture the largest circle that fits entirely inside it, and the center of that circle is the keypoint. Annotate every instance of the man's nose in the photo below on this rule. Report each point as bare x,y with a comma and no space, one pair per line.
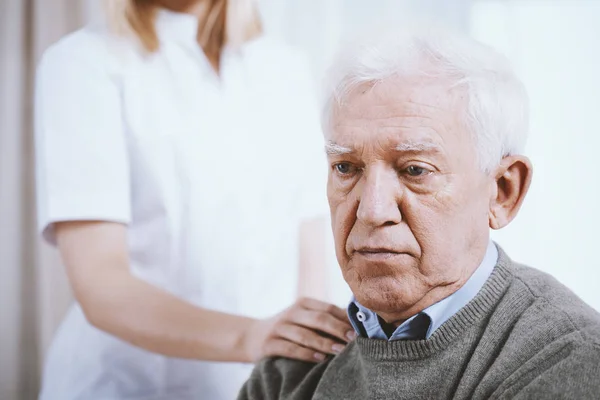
378,203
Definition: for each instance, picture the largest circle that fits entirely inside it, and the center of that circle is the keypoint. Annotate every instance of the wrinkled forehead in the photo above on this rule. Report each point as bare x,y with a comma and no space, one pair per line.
419,109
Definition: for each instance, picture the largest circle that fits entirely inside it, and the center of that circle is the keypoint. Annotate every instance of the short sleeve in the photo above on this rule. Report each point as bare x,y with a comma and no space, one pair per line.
312,188
82,170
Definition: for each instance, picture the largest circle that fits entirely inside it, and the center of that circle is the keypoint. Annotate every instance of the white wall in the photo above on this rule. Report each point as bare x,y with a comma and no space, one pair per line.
554,46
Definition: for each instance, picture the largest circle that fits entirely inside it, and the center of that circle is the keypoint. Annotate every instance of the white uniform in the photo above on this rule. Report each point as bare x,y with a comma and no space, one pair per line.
211,176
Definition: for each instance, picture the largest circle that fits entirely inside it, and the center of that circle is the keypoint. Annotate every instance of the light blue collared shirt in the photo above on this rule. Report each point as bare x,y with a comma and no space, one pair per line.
427,321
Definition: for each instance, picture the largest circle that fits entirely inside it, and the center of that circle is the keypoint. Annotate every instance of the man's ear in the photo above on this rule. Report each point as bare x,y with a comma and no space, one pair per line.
512,180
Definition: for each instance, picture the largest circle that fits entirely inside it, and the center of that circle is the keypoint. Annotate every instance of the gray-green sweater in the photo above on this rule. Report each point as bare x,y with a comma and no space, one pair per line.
523,336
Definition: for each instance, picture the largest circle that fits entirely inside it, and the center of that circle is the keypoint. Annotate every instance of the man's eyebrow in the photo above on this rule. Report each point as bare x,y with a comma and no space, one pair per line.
334,149
418,147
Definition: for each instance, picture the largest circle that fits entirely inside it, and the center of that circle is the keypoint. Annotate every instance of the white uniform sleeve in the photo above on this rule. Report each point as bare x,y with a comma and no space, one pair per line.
81,155
312,195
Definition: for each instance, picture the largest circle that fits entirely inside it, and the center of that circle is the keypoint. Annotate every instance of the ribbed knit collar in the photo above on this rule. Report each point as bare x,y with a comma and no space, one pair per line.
478,308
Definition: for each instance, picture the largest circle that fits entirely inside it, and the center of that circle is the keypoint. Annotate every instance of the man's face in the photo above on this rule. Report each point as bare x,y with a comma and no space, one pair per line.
409,203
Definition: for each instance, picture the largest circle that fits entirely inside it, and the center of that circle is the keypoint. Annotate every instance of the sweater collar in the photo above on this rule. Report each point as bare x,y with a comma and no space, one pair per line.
422,325
476,311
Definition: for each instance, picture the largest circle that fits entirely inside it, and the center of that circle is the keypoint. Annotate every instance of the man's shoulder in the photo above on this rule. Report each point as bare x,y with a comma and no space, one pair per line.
542,333
550,314
556,302
277,377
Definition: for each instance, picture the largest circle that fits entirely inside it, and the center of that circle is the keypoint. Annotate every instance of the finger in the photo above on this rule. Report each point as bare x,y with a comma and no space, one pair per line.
317,305
308,338
285,348
321,321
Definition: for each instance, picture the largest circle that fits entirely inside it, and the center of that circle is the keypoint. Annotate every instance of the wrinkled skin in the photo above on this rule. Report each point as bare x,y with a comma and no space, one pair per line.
411,208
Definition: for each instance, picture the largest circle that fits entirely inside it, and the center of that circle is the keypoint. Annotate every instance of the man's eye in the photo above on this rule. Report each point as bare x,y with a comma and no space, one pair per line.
344,168
415,170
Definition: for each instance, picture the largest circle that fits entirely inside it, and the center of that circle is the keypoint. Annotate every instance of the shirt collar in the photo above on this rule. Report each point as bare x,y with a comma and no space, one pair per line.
183,29
176,26
441,311
431,318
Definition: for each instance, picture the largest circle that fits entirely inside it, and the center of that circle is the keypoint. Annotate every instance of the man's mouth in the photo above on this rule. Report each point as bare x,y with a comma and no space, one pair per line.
377,253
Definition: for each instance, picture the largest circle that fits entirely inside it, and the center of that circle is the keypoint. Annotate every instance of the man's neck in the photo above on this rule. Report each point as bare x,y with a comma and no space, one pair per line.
427,320
437,294
198,9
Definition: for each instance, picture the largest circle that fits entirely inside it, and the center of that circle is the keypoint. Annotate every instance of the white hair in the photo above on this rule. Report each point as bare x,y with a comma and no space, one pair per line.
497,103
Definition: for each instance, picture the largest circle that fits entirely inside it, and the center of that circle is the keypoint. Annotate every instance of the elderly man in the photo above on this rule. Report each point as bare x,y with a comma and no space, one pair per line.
424,137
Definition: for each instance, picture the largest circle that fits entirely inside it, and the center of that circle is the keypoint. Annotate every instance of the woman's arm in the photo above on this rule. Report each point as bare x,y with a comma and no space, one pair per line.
96,257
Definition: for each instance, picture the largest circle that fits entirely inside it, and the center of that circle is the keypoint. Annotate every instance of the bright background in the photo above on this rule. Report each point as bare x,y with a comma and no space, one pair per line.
553,44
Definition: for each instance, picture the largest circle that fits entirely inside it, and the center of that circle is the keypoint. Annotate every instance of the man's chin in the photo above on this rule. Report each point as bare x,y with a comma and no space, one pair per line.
381,295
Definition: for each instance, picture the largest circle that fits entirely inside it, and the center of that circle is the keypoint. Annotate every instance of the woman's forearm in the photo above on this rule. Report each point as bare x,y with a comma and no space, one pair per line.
96,258
97,261
155,320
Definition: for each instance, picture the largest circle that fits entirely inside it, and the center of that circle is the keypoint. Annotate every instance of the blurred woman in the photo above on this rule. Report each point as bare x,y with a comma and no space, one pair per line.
176,152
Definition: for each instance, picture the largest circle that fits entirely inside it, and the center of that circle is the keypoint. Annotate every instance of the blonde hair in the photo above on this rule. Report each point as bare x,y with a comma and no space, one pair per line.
231,22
